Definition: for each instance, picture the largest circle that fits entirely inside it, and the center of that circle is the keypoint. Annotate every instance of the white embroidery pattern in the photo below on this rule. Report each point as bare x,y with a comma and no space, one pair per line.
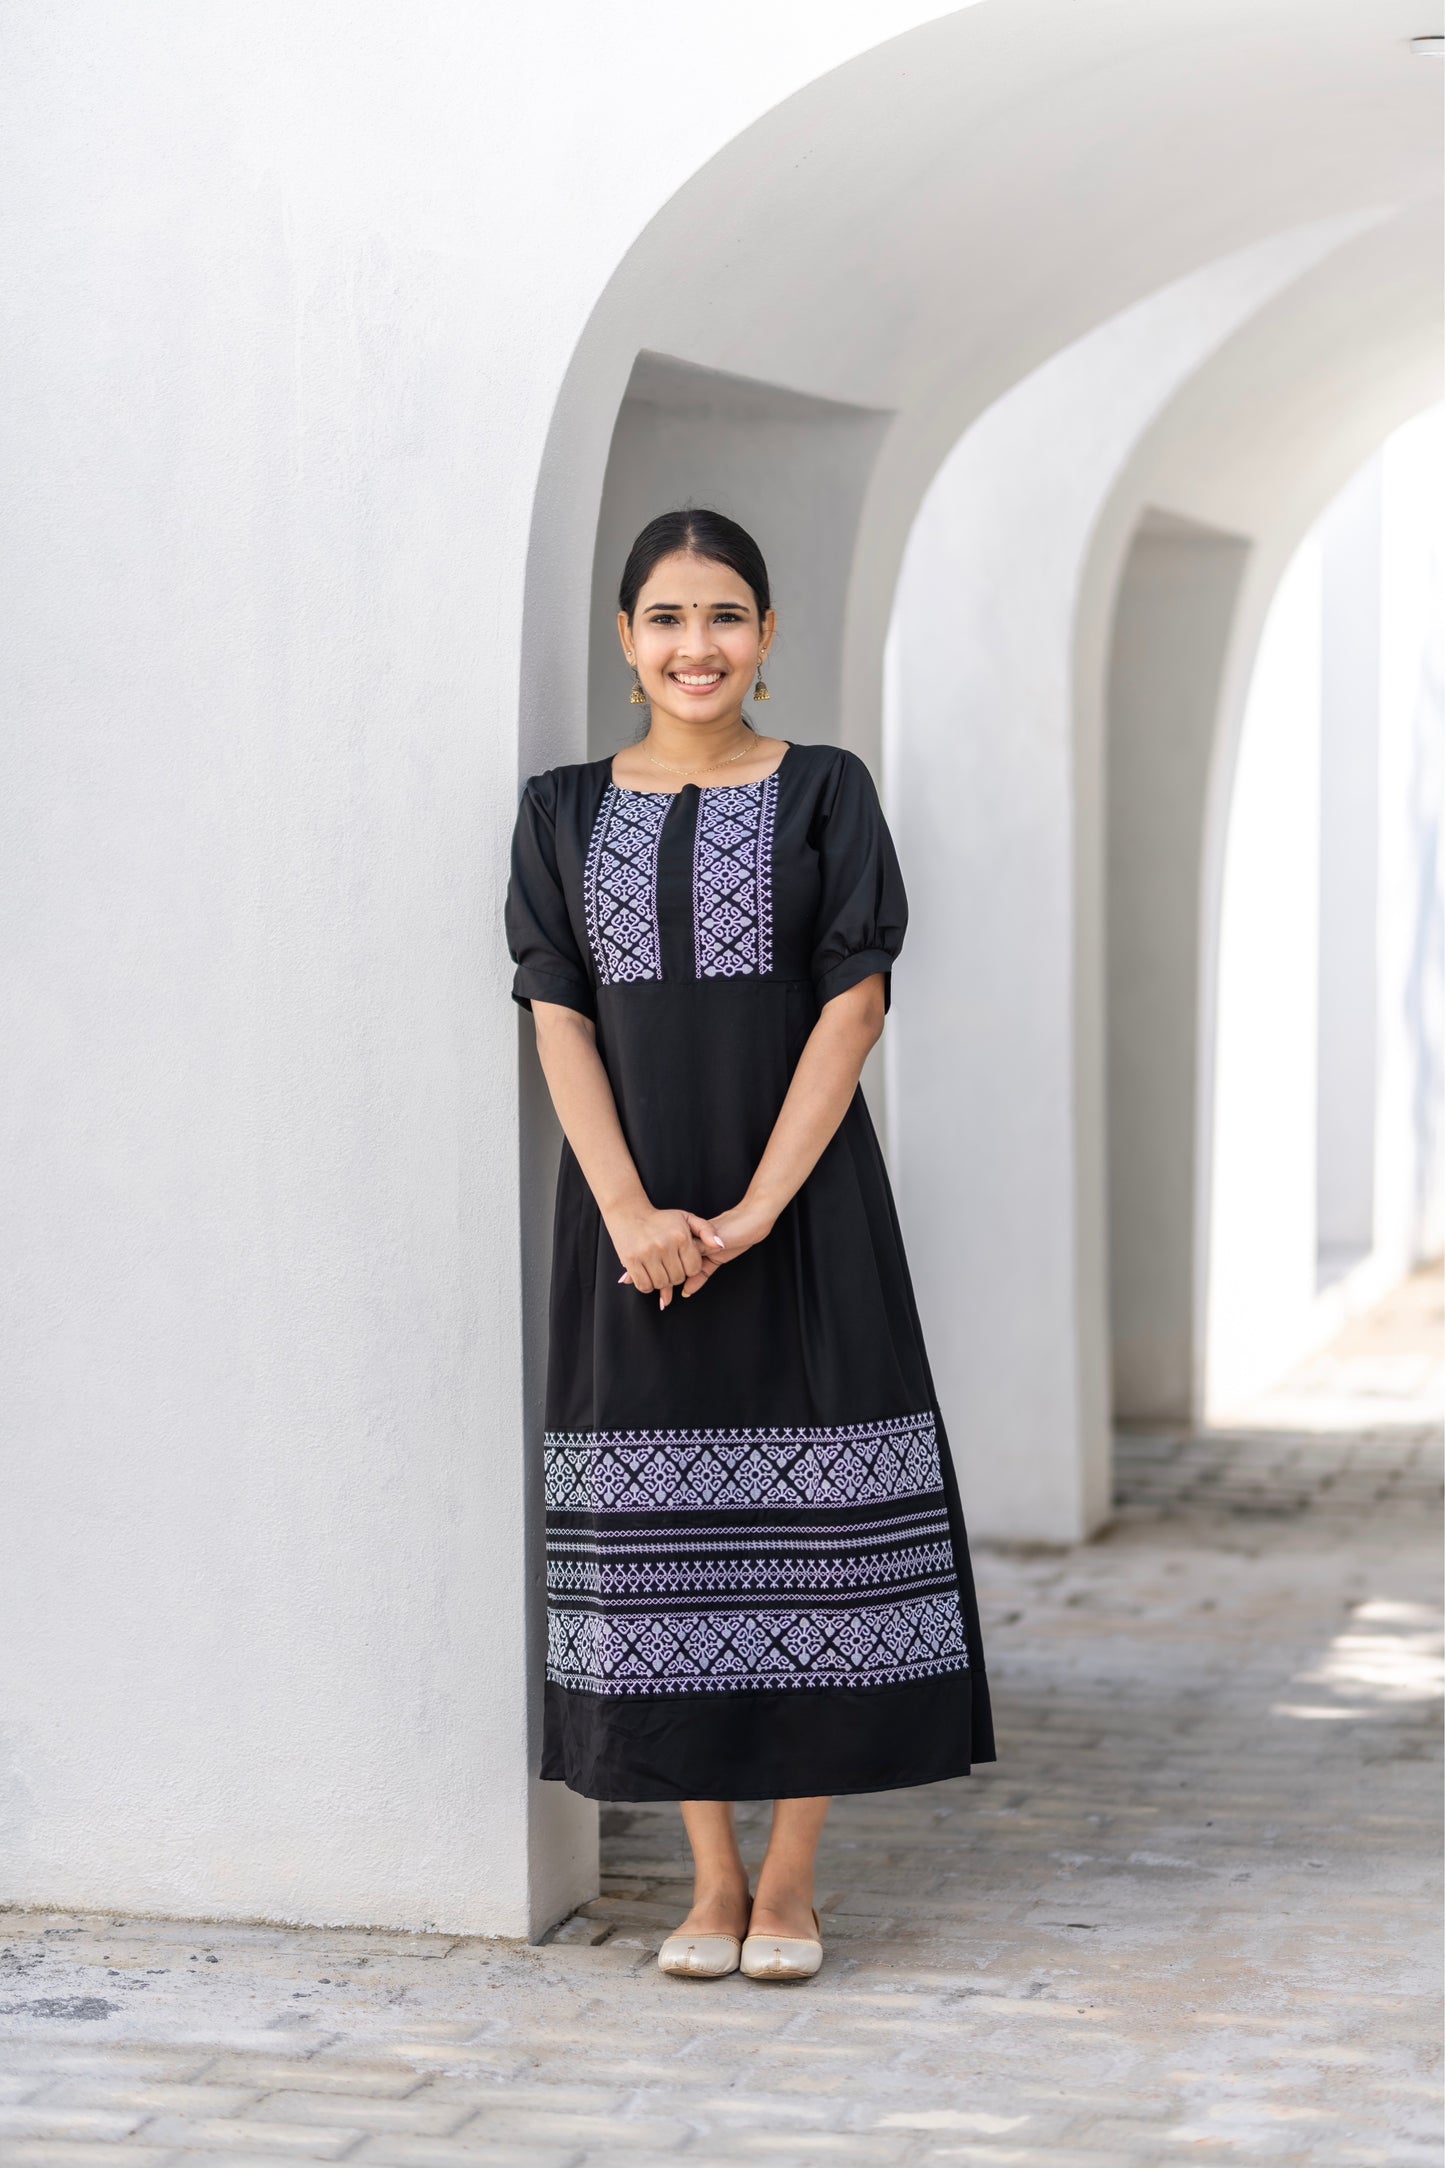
619,885
733,878
580,1569
714,1651
609,1471
697,1561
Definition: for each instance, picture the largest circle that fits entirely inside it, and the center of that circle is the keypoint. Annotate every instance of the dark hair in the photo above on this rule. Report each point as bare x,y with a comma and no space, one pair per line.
693,533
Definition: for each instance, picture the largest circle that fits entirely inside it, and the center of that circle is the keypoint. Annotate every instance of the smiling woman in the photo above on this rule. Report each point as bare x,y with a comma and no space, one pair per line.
758,1575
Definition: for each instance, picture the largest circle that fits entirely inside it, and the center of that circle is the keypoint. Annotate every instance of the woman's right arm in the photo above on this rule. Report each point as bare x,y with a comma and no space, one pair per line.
659,1250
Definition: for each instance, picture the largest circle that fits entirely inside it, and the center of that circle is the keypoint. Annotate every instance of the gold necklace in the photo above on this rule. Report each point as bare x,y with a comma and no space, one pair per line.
700,767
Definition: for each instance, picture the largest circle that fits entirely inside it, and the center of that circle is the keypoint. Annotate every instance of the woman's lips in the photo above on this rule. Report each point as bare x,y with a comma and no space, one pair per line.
697,682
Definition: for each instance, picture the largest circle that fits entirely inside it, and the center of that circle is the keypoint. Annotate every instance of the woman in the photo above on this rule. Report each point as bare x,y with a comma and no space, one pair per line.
758,1578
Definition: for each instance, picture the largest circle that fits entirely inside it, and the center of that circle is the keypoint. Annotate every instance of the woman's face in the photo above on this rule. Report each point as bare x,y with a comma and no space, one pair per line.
696,639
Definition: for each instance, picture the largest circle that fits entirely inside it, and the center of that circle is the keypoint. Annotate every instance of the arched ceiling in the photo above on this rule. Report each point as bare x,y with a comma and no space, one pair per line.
920,228
1307,389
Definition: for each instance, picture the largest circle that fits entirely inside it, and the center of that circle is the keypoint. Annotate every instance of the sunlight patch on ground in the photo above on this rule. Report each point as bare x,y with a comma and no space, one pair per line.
1377,1669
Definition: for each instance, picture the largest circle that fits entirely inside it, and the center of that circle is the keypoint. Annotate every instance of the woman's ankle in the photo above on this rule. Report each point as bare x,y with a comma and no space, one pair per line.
786,1901
721,1888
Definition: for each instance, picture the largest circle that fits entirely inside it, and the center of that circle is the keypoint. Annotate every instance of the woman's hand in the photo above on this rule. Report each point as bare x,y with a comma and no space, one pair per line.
741,1229
662,1250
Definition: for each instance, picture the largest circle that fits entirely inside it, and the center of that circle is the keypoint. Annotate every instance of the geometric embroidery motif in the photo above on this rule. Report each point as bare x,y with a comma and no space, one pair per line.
851,1464
707,1561
619,885
733,878
756,1650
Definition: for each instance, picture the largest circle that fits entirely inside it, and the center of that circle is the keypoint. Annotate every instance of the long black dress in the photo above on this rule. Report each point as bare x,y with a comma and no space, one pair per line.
757,1573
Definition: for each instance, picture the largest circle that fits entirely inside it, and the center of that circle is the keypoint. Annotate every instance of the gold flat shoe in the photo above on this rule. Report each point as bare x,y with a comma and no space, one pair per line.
699,1957
782,1957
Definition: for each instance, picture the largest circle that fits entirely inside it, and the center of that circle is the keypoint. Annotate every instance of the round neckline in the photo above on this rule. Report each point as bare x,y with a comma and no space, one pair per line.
751,784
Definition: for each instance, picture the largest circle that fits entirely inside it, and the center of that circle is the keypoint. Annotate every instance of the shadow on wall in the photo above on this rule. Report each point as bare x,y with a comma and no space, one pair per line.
1174,617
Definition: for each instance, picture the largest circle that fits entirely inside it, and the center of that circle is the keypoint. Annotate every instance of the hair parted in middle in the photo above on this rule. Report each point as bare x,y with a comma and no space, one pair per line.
693,532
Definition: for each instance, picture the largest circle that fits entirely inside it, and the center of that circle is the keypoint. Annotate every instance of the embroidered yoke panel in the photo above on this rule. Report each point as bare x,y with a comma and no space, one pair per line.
619,888
733,879
732,882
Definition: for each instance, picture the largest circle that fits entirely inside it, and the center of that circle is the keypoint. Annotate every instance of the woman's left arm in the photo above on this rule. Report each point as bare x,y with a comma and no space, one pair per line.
818,1097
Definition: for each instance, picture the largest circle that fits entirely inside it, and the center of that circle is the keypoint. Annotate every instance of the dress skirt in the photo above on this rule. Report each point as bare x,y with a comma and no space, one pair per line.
758,1580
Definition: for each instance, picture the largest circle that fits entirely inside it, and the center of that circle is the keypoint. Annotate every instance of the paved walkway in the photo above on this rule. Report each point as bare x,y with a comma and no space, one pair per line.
1187,1917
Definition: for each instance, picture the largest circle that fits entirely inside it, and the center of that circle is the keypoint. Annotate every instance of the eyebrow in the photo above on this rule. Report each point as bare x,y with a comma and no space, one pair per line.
730,605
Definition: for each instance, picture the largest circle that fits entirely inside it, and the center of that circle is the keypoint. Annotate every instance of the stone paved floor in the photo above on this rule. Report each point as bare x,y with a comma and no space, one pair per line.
1188,1916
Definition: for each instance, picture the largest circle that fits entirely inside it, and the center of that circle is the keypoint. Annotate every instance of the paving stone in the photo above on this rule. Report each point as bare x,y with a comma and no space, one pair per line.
83,2153
42,2122
569,2126
35,2053
208,2157
120,2092
856,2150
980,2153
423,2114
396,2152
584,1928
314,2074
470,2095
224,2134
17,2086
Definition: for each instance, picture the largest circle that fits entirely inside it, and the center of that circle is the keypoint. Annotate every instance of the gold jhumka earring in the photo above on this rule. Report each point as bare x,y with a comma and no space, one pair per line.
760,690
637,696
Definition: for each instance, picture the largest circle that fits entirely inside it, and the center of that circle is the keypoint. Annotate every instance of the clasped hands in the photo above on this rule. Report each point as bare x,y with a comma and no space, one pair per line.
663,1251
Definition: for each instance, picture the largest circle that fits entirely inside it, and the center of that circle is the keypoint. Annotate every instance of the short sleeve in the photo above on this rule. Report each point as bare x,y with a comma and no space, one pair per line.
863,911
540,939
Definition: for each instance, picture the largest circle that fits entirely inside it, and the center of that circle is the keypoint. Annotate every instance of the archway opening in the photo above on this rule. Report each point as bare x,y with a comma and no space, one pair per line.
1325,1184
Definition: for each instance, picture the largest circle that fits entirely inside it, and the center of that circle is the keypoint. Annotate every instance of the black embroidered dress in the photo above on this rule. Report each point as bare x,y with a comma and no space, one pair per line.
758,1581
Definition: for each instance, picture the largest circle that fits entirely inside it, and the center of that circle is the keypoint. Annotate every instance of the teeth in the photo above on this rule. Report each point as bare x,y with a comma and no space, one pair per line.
684,678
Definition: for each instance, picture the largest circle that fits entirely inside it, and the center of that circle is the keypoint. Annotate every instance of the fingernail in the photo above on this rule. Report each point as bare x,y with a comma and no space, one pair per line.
720,1242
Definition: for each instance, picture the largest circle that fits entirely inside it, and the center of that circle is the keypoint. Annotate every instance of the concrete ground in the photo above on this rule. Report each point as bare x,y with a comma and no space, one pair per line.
1188,1916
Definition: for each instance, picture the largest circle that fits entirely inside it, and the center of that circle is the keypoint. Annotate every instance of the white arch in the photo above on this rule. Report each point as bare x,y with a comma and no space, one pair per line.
1247,455
996,1047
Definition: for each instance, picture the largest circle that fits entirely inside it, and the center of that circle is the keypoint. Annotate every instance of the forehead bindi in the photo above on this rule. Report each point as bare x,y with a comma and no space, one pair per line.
693,583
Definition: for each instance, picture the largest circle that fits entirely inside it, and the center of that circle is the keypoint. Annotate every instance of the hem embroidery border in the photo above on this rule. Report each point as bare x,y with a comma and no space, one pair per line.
848,1464
740,1651
663,1579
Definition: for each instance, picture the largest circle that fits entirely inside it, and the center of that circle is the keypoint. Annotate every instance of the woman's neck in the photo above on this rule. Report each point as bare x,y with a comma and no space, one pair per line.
686,744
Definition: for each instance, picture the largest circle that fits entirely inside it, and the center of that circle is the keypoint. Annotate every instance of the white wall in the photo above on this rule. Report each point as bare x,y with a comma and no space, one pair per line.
1349,930
1410,1164
1173,623
1262,1262
1326,1171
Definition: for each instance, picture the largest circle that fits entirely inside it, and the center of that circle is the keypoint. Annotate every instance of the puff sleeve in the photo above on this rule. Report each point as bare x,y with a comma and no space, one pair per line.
540,937
863,910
